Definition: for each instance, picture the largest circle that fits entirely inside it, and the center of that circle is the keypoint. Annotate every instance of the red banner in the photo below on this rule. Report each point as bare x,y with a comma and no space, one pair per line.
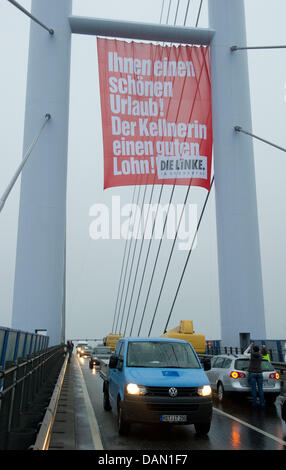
156,113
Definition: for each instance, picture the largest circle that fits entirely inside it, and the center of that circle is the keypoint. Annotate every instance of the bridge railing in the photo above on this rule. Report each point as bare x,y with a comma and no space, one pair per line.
27,386
275,348
16,343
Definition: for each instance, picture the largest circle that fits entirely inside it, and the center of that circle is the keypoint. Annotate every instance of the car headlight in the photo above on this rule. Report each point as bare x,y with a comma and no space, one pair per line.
204,391
134,389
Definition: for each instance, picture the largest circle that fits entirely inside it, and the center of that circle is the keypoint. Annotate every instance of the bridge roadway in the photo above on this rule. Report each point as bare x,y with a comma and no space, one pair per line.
82,424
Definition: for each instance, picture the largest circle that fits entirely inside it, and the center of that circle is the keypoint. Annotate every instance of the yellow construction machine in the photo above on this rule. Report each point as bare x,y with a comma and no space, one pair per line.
111,340
186,332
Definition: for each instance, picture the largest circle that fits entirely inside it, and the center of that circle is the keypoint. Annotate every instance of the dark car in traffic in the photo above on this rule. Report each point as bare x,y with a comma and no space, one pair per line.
99,353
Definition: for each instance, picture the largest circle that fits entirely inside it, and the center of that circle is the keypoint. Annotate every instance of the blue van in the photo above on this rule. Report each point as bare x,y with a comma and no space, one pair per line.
157,380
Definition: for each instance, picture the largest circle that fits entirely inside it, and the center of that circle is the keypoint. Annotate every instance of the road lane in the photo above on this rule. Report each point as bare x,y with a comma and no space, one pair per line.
233,426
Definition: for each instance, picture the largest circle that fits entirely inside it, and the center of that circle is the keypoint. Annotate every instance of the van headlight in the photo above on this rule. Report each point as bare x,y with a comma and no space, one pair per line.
134,389
204,391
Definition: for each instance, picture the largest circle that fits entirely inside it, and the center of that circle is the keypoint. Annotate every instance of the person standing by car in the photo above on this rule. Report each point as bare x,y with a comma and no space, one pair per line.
255,376
265,354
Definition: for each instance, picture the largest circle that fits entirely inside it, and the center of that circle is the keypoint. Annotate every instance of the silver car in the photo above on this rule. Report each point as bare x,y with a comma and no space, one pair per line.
229,373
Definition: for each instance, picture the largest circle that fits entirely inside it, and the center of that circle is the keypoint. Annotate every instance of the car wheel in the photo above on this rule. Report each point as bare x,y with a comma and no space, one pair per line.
220,392
270,398
106,402
123,426
202,428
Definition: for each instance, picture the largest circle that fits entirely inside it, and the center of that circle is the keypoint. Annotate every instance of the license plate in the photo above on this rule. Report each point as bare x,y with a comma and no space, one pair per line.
173,418
268,383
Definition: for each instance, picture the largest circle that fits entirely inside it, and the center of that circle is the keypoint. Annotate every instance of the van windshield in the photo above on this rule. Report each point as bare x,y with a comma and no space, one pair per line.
161,355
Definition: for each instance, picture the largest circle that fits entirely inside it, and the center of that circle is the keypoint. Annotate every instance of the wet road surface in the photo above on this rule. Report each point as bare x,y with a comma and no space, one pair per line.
235,426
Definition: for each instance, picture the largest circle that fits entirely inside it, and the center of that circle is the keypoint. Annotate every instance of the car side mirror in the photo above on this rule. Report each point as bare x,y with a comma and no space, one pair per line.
120,364
113,362
207,364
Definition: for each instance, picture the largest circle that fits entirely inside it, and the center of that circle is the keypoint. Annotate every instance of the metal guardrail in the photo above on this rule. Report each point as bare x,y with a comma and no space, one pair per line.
26,387
15,344
275,348
44,435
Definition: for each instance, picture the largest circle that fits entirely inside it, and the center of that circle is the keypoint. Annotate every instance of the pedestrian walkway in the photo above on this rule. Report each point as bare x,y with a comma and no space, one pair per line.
71,429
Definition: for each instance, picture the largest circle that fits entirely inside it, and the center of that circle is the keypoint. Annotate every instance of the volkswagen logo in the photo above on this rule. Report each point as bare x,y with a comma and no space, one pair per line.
173,392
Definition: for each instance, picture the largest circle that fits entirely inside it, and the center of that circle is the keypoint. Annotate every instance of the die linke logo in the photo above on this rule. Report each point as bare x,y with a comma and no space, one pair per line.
156,114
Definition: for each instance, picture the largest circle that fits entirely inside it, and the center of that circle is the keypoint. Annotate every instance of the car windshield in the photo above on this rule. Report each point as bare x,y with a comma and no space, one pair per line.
161,354
101,351
243,364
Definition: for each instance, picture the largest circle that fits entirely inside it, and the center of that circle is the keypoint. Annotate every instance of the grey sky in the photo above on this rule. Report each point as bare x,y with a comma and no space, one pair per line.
93,267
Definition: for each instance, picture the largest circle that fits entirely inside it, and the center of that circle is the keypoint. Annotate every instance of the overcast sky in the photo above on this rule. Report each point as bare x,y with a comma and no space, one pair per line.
93,267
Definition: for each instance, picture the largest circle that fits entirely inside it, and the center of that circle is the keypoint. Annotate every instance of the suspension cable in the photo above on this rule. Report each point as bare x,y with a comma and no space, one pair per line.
167,214
169,259
118,315
135,277
138,261
172,249
236,48
239,129
187,11
157,255
143,275
26,12
144,267
122,268
131,269
22,164
188,257
199,13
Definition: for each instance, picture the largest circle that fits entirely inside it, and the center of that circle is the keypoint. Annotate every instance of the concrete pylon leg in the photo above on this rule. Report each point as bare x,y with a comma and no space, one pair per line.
240,278
40,258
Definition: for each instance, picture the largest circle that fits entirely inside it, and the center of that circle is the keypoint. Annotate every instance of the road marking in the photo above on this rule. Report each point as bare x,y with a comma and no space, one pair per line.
251,427
94,428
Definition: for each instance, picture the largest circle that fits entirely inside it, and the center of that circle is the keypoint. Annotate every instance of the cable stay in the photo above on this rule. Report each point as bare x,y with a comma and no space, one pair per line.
140,252
158,251
134,282
22,164
131,269
159,248
188,257
145,264
122,268
147,256
170,256
131,298
123,286
237,48
26,12
199,13
239,129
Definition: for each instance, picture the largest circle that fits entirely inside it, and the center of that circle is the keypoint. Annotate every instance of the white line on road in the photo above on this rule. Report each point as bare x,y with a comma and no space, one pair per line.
251,427
94,428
